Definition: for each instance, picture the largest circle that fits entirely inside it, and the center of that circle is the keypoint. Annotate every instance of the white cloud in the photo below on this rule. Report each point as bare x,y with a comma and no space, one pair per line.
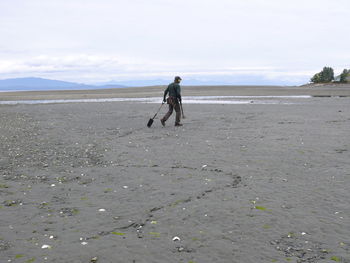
119,38
100,68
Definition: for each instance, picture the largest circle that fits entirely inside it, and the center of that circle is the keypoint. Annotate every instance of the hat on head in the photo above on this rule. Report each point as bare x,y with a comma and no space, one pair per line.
177,78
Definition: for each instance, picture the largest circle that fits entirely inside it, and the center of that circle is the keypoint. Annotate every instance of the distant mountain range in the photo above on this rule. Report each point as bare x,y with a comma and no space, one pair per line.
236,80
28,84
160,82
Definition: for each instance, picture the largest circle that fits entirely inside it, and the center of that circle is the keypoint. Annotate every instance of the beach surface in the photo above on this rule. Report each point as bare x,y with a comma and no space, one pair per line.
89,182
157,91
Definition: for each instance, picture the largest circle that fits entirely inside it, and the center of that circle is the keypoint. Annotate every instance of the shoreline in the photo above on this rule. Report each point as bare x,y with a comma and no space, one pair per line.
155,91
185,99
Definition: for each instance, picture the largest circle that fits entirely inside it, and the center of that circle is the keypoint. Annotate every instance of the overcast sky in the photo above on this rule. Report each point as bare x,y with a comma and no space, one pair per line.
94,41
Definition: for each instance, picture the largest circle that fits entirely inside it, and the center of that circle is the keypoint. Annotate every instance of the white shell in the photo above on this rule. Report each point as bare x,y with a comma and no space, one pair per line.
46,247
176,239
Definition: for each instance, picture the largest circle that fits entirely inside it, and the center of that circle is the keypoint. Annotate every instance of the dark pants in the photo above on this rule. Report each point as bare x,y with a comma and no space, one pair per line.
173,104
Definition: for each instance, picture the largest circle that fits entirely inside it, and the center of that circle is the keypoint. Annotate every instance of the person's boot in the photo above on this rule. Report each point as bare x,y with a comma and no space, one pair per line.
162,122
178,124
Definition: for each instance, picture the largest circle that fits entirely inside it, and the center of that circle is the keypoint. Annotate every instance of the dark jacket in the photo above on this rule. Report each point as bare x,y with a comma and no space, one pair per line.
174,90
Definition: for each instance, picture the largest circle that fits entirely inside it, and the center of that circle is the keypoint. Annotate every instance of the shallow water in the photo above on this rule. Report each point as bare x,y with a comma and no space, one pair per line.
188,100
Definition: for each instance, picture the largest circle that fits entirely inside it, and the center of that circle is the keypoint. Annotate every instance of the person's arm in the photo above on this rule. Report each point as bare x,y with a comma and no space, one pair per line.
165,93
178,91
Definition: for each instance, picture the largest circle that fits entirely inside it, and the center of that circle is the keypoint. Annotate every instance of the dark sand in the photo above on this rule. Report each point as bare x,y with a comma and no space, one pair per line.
237,183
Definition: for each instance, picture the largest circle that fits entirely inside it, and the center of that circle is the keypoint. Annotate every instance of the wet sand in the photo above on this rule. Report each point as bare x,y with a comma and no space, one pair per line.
89,182
155,91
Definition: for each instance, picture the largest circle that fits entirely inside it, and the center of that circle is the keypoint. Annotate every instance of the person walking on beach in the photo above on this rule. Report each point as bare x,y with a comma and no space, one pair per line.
173,101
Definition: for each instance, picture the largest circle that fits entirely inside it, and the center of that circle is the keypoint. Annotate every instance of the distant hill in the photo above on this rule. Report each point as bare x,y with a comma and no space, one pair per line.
44,84
35,83
237,80
136,83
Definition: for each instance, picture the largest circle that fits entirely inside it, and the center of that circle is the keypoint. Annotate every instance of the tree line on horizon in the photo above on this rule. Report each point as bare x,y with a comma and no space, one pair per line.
327,76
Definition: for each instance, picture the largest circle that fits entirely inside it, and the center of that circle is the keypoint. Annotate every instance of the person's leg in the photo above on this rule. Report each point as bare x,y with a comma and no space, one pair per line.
167,115
178,114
